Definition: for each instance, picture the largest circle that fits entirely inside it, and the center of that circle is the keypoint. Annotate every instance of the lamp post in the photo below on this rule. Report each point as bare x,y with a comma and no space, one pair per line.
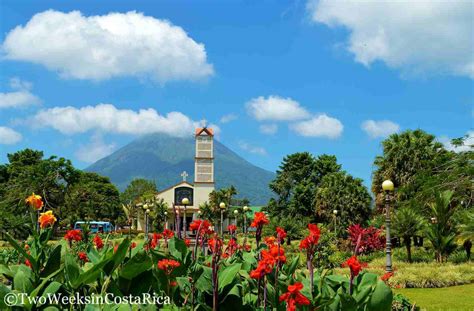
246,208
335,219
145,209
185,202
388,187
222,207
166,216
199,213
236,213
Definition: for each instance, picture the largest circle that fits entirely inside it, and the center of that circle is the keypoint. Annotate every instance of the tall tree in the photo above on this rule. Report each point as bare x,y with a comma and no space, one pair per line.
408,223
346,194
406,155
137,189
92,197
296,182
28,171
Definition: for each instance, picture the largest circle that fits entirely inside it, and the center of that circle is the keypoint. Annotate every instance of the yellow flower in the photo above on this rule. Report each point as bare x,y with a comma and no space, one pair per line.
46,219
35,201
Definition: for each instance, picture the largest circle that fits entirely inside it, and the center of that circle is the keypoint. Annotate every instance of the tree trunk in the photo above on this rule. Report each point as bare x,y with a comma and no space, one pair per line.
407,241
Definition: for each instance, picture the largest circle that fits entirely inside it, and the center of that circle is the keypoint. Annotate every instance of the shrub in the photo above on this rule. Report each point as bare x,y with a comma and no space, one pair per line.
402,303
370,239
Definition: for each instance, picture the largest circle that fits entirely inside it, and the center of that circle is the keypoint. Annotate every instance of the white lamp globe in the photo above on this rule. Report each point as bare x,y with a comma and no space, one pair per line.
388,185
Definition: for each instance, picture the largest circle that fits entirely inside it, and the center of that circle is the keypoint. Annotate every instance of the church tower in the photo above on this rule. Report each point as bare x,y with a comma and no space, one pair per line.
203,164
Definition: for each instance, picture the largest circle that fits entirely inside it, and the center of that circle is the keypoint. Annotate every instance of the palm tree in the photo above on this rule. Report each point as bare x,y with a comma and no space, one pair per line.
407,224
441,232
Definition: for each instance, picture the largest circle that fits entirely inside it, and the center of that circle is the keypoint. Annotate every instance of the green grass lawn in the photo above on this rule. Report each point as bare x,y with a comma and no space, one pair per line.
455,298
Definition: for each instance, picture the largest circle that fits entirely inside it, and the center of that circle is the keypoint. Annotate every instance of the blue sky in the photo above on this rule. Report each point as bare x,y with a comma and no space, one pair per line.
275,77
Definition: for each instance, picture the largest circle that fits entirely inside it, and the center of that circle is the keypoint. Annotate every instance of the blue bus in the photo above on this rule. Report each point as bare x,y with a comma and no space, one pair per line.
95,226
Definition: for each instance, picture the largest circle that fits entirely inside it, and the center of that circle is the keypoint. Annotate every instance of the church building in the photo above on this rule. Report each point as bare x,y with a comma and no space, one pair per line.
198,191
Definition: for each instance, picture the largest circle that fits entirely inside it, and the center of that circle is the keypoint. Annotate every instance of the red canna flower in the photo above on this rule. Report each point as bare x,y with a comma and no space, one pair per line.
310,242
231,248
173,283
293,297
115,248
73,235
259,220
215,244
386,276
187,242
82,257
28,263
354,265
270,241
168,265
133,245
204,227
232,228
281,234
168,234
264,267
98,242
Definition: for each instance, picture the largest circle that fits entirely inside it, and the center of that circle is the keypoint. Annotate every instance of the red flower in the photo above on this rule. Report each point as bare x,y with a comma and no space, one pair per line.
281,234
115,248
28,263
168,265
278,253
386,276
82,257
232,228
187,242
173,283
259,220
270,241
293,297
98,242
354,265
133,245
168,234
205,225
215,244
264,267
73,235
312,239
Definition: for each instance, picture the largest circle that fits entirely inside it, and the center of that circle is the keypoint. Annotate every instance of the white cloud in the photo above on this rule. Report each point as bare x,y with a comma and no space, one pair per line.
228,118
268,129
381,128
319,126
467,146
106,46
416,36
21,97
9,136
95,150
252,149
107,118
276,108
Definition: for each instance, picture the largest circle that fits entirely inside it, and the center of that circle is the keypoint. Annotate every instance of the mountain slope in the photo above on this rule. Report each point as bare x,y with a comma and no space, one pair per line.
163,158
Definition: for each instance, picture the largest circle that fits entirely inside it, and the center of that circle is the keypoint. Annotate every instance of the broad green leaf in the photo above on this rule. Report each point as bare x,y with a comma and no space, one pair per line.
136,265
54,262
381,298
20,249
227,275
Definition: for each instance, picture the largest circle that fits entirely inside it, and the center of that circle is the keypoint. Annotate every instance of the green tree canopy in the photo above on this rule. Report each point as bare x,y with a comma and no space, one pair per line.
405,156
346,194
138,188
92,197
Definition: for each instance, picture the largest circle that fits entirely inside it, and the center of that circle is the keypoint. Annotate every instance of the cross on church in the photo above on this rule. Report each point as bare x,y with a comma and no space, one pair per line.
184,175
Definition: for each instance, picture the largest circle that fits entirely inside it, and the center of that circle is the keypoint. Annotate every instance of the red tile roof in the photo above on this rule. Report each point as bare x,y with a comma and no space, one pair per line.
208,130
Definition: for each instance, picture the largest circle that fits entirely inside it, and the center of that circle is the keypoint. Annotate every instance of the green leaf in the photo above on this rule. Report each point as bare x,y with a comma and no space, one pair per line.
71,269
292,267
118,257
178,248
54,262
226,276
381,298
3,291
20,249
136,265
22,281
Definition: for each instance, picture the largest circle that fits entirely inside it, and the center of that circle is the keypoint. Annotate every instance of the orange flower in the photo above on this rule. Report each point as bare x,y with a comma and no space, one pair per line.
35,201
270,241
46,219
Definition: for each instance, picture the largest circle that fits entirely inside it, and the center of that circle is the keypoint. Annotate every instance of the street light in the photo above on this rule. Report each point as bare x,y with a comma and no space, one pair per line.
185,202
147,212
236,212
245,208
388,187
222,207
166,216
